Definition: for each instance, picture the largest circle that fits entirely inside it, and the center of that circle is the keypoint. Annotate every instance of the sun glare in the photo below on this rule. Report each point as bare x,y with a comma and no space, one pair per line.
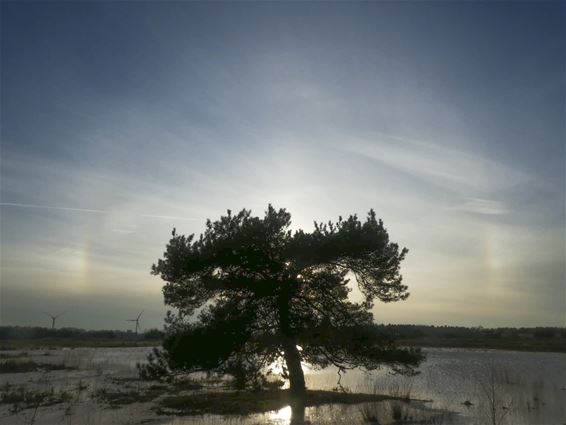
282,416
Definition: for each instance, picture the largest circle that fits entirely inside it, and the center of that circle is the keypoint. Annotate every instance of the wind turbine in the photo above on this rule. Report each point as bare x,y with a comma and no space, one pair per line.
53,318
137,320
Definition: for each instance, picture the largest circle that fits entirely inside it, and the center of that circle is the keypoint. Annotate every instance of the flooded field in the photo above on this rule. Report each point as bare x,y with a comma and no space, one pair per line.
455,386
522,388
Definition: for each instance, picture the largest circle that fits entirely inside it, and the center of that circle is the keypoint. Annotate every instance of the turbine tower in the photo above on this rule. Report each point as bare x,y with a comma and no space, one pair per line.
137,320
54,318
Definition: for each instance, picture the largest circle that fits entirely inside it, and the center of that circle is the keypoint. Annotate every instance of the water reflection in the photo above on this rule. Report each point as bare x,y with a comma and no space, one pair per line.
385,412
294,414
297,412
281,416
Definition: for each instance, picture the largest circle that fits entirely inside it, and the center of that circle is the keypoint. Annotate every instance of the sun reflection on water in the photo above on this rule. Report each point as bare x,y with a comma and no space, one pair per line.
281,416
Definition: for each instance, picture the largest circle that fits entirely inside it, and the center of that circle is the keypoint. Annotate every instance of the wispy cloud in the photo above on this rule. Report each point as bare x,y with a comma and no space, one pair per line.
481,206
169,217
461,171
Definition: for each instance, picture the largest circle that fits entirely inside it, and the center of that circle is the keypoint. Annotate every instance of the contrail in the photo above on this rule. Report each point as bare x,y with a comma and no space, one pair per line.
48,207
87,210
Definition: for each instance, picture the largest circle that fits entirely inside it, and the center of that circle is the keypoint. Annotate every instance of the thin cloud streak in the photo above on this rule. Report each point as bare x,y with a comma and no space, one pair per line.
50,207
88,210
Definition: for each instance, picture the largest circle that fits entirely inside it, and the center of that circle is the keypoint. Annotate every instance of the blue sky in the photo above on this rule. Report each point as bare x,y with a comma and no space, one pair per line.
122,120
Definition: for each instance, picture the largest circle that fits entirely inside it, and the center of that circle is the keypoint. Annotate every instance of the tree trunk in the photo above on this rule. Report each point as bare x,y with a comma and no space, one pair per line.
292,354
296,375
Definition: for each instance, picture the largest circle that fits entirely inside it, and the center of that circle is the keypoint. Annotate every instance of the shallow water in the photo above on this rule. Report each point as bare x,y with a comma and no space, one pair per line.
524,388
455,386
529,387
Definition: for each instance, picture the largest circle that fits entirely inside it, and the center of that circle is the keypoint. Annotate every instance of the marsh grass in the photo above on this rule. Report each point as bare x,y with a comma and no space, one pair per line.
401,389
117,398
397,389
495,399
402,412
22,398
369,414
28,365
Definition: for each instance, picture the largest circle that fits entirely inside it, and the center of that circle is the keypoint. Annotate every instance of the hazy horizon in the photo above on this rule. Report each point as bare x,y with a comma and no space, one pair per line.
123,120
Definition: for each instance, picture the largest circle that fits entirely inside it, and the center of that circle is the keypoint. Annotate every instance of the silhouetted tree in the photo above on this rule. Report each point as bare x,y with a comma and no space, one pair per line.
250,291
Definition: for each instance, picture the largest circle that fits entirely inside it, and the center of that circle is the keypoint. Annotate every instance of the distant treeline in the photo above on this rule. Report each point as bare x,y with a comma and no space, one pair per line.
457,332
24,332
411,332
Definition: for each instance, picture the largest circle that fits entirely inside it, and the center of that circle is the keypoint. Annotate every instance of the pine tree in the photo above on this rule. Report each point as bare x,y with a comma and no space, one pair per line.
249,291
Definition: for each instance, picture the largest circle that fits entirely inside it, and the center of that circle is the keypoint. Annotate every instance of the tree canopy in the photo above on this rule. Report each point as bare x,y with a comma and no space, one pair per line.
249,291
